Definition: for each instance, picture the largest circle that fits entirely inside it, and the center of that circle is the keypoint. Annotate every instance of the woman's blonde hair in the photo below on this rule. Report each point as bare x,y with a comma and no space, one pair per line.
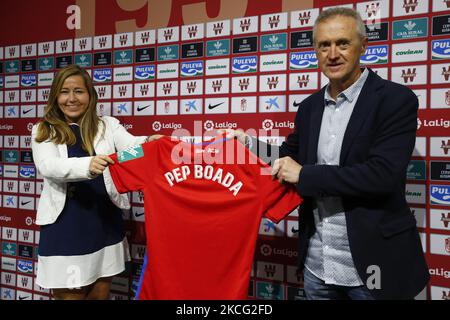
54,127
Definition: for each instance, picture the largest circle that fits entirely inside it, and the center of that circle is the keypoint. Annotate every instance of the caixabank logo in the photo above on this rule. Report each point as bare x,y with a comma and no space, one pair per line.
440,194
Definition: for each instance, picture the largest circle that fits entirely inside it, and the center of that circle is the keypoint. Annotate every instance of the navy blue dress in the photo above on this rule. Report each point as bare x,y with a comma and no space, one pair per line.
89,220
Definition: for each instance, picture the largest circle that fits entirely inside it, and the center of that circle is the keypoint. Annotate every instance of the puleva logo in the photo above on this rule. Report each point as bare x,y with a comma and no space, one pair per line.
440,49
28,80
102,75
302,60
130,154
245,64
25,266
27,171
440,194
144,72
375,55
192,69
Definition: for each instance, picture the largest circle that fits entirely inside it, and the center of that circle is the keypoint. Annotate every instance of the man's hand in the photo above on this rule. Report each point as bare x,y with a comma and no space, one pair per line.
98,164
238,134
286,169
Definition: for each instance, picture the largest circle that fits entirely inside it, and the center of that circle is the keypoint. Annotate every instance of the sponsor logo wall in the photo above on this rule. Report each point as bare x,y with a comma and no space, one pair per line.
250,73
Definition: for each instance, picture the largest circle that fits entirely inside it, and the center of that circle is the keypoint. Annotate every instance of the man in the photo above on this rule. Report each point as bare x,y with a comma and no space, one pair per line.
348,157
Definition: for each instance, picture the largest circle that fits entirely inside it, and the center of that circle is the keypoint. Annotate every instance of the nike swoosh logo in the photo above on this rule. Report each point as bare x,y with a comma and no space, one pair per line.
22,298
24,203
295,104
138,214
140,108
294,230
26,111
210,107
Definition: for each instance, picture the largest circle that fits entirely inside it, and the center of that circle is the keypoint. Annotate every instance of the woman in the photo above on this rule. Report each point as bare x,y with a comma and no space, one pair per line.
82,241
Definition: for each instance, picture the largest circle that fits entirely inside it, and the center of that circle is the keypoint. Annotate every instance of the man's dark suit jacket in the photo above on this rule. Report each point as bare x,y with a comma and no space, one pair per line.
376,150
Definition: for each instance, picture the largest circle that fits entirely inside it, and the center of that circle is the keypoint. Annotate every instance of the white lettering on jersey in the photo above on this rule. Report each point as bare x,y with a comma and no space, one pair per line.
180,174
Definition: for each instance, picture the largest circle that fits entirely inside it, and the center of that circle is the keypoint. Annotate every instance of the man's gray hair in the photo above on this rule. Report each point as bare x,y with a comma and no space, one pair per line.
341,11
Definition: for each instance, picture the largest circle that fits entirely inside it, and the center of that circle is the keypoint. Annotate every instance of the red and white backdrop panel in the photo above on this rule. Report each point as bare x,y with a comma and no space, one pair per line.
203,65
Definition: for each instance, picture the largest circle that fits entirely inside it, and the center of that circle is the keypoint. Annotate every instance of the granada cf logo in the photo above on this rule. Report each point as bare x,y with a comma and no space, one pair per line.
373,9
243,104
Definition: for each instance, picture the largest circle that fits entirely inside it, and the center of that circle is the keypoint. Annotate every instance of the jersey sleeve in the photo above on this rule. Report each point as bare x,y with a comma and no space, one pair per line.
278,200
132,167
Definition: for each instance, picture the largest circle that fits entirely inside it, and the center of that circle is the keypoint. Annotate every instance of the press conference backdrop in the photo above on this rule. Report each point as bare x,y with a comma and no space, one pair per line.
226,64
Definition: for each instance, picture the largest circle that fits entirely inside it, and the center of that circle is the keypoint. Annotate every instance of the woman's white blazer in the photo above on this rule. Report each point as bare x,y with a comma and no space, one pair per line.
52,162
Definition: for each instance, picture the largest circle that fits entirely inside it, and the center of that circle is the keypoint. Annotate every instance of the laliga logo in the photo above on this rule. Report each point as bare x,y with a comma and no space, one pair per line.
267,125
266,250
29,221
156,125
208,125
419,123
29,126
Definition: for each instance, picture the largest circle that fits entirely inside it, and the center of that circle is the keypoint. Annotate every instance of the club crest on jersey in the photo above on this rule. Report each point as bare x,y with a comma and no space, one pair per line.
131,153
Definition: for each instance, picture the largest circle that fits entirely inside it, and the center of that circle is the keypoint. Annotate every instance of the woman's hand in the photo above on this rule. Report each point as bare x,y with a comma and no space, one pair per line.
153,137
98,164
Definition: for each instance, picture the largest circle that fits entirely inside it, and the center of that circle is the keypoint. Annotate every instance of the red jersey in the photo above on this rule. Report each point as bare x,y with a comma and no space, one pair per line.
203,206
